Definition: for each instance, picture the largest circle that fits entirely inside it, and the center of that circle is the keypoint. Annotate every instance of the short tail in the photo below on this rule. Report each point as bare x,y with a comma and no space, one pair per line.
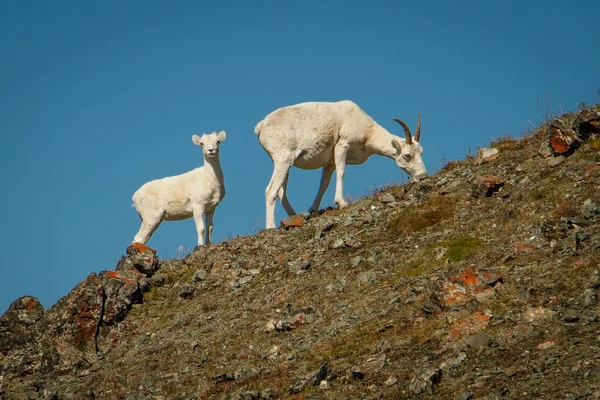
258,128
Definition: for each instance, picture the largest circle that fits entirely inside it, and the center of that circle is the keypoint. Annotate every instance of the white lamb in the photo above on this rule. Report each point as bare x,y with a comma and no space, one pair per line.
329,136
195,193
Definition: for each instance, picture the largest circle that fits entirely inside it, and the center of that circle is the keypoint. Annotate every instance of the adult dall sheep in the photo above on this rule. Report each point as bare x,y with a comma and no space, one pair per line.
196,193
329,135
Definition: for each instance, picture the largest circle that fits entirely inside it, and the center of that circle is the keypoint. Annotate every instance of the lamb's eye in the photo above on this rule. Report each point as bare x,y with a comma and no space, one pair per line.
407,157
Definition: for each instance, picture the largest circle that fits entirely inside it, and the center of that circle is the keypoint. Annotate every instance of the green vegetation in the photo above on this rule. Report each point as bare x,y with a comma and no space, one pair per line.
462,247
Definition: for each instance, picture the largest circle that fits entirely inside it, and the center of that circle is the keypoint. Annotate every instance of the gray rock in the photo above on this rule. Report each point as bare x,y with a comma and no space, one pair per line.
325,225
314,379
353,243
338,243
464,396
554,161
187,291
424,382
300,265
456,361
199,275
545,150
366,276
589,298
478,340
246,279
391,381
254,272
357,260
525,181
589,209
386,198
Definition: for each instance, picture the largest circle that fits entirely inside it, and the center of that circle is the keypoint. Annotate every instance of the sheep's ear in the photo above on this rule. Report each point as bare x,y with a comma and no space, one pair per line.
396,145
221,136
196,140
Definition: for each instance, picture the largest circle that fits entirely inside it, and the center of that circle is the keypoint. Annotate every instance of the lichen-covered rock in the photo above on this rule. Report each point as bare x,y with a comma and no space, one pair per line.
121,291
76,316
292,222
139,257
562,136
587,123
16,323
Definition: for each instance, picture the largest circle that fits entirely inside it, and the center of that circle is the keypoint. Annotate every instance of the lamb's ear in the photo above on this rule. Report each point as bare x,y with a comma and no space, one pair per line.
196,139
221,136
396,145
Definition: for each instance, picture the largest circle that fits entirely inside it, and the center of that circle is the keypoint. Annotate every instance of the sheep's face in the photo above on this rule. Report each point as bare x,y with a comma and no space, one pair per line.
409,157
209,143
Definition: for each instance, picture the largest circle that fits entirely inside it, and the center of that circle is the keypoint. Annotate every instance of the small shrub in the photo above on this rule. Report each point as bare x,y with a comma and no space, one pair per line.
462,247
539,193
565,208
595,143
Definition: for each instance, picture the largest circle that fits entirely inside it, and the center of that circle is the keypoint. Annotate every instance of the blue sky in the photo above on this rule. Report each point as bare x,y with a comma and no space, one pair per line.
99,97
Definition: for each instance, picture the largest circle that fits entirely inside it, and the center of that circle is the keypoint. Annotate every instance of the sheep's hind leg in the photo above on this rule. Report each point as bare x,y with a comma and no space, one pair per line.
325,179
280,173
149,226
282,194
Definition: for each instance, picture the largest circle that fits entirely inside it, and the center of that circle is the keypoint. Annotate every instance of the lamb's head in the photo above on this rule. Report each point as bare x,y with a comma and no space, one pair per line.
409,153
210,143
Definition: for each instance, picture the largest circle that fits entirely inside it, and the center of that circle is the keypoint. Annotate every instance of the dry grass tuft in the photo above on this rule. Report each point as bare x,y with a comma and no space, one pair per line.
507,142
416,219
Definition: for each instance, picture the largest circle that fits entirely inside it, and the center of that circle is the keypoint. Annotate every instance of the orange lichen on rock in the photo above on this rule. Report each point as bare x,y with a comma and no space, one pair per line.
119,276
142,248
468,326
292,222
469,283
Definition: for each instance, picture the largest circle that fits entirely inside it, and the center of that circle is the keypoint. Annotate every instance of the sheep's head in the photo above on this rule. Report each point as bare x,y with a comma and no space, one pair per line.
210,143
409,153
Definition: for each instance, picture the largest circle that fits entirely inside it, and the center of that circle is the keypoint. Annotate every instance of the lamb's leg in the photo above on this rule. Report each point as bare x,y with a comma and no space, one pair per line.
280,173
282,194
340,151
209,226
325,179
149,226
199,220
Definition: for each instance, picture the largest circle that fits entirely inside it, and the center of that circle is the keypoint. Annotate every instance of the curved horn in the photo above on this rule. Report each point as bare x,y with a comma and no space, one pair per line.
418,134
406,129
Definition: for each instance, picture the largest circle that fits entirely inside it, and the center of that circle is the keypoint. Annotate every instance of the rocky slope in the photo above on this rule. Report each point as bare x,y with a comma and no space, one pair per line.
478,283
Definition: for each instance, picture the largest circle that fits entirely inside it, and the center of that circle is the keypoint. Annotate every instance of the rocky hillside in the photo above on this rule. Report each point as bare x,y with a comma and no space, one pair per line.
479,283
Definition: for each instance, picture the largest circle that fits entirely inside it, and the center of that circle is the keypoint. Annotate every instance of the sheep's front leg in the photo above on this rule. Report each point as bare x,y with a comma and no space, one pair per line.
209,226
325,179
149,226
340,151
199,220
